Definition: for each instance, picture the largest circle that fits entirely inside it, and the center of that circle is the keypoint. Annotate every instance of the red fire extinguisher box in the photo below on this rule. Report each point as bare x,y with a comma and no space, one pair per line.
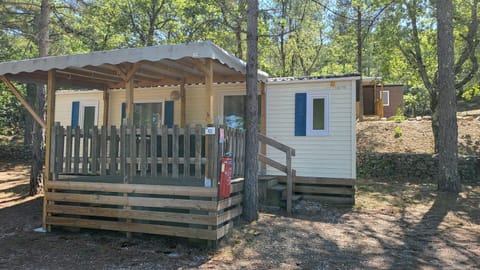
226,169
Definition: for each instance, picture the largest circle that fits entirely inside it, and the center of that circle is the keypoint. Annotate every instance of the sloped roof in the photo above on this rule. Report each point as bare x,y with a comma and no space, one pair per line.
158,65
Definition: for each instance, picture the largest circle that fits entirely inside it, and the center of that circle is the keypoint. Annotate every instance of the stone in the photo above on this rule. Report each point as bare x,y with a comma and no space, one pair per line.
427,117
419,118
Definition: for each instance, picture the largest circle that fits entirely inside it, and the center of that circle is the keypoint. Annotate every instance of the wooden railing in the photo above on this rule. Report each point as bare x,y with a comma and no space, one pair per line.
287,168
140,151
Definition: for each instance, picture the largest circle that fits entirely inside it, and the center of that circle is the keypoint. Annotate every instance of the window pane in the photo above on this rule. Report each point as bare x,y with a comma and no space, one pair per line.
148,114
234,111
318,114
386,97
88,117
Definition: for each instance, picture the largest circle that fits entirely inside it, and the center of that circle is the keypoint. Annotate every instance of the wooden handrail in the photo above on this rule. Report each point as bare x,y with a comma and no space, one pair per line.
276,144
287,168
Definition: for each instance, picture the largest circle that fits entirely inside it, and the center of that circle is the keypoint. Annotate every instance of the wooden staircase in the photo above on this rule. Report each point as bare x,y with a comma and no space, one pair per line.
273,193
287,168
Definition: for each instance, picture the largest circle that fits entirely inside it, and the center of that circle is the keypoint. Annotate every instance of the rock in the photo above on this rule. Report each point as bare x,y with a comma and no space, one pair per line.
468,118
427,117
383,119
411,119
419,118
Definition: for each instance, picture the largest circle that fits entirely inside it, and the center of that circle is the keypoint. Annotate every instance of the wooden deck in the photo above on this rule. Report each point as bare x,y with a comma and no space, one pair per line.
184,209
133,179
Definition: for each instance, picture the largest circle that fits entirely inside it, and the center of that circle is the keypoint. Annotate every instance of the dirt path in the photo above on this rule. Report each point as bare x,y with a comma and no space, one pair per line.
393,226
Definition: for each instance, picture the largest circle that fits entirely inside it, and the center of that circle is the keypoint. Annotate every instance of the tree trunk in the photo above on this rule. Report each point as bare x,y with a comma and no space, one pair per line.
448,179
250,211
359,62
38,154
36,176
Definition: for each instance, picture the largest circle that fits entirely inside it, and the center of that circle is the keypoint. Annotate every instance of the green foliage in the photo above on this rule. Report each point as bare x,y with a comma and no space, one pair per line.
416,101
471,93
399,117
11,114
398,132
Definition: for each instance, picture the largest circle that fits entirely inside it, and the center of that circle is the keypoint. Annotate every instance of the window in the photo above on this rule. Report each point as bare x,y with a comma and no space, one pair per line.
312,114
148,114
317,115
84,114
151,114
386,98
234,110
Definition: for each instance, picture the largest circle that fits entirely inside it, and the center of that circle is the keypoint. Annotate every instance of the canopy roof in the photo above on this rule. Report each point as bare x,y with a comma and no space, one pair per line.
147,66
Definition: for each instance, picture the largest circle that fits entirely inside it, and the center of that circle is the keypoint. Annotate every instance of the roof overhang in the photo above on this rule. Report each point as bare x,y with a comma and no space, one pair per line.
147,66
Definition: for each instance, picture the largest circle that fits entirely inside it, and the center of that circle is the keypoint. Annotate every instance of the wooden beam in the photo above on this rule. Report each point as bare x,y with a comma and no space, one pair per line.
209,87
127,74
51,85
183,104
129,101
106,105
133,69
24,102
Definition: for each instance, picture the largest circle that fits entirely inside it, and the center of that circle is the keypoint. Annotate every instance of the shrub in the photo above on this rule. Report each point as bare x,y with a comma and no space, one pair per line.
399,117
398,132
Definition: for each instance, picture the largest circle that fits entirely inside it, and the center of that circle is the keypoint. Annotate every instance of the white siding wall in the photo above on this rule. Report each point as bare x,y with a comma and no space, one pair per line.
63,104
327,156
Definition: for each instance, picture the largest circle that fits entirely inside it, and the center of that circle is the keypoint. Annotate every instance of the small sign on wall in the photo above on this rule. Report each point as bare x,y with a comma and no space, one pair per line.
210,131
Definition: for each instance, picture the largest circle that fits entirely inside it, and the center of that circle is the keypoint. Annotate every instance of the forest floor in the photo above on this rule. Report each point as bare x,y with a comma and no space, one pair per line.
393,225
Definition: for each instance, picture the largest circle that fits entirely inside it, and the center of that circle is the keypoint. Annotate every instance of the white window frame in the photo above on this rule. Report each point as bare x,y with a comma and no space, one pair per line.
388,98
142,101
87,103
310,131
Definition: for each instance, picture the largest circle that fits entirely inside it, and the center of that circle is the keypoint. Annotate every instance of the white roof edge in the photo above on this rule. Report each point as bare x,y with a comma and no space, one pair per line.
313,80
204,49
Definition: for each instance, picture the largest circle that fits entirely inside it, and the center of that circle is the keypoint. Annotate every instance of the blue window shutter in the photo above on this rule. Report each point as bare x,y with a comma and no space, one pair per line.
124,111
168,119
300,114
75,113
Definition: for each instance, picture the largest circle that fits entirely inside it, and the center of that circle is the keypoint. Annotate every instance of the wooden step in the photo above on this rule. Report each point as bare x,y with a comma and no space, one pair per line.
264,183
295,197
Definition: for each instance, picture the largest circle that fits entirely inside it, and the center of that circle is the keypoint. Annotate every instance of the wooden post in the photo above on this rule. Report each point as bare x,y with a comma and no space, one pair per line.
183,104
209,85
129,96
289,181
106,104
51,85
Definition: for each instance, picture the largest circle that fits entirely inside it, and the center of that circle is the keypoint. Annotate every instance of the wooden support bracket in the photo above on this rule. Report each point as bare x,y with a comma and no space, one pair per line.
23,102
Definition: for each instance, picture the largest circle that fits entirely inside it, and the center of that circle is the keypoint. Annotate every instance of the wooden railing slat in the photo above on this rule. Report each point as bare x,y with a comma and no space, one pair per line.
68,150
175,146
153,152
198,151
164,150
186,151
76,150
